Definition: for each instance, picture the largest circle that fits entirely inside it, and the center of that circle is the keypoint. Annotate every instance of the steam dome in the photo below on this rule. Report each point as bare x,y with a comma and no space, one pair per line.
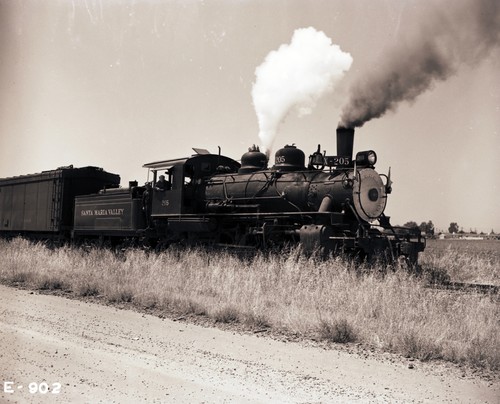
289,158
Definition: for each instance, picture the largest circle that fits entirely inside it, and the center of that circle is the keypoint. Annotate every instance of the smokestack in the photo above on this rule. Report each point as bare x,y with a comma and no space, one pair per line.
345,141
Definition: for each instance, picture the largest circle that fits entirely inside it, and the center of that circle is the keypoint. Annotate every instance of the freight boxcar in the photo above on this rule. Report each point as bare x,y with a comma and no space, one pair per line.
41,205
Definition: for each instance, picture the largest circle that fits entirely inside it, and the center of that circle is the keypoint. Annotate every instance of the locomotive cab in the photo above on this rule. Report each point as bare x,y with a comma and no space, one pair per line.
186,177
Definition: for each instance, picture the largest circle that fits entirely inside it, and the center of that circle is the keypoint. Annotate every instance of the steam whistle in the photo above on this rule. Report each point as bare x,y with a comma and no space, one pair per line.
388,185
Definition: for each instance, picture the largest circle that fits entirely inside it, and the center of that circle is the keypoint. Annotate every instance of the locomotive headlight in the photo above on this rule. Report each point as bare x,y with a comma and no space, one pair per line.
372,158
366,158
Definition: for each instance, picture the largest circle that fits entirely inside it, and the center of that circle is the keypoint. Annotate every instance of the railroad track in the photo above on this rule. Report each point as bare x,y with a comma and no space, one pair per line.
468,287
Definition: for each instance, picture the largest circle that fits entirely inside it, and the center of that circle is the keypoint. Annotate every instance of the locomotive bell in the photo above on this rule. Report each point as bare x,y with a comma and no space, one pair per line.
253,160
289,158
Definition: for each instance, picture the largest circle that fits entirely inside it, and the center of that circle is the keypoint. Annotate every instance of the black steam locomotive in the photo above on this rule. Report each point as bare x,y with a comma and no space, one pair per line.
334,204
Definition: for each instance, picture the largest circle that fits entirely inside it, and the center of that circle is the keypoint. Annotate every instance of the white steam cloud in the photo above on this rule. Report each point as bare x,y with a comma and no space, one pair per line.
295,76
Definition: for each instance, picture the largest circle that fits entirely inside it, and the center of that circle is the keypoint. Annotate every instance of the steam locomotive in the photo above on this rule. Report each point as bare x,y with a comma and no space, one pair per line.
334,204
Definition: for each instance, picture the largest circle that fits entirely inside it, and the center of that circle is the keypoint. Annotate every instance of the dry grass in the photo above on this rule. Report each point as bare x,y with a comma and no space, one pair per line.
465,260
328,300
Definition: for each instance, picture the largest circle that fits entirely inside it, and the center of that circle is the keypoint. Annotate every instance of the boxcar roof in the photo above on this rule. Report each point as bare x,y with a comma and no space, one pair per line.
59,173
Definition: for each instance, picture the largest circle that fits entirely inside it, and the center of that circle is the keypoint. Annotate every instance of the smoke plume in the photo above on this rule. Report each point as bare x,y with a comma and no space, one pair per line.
295,76
463,33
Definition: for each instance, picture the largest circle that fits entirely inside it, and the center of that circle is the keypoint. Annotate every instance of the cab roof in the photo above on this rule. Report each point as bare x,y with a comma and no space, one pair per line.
159,165
201,156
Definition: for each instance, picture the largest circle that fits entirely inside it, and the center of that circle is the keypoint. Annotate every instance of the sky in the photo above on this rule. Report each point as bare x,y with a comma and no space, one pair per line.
120,83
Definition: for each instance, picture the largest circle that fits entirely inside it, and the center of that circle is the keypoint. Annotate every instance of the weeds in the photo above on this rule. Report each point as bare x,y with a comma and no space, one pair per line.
87,290
20,277
464,260
227,314
258,321
337,331
393,310
49,283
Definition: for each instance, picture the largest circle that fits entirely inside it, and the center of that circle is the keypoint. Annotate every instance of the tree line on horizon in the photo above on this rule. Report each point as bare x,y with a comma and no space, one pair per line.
429,229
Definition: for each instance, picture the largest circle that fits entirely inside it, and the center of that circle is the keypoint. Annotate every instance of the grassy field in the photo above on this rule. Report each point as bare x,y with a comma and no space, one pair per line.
475,261
322,300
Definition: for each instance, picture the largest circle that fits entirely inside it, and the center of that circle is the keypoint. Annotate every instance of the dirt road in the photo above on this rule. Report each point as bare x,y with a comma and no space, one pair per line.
85,352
